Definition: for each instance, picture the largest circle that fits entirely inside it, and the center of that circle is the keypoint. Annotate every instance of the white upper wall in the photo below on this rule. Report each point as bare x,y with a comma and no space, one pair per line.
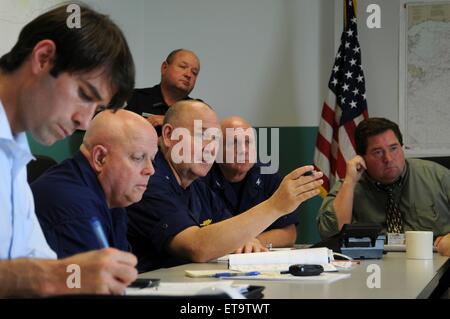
380,58
266,60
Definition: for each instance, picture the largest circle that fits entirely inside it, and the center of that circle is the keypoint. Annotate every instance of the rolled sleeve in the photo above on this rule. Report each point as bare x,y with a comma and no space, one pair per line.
326,219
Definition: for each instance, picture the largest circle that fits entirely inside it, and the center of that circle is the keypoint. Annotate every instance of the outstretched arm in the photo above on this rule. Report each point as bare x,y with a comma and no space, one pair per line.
215,240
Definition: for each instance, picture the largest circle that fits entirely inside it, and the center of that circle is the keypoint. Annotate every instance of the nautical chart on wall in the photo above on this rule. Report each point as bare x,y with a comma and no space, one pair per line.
424,113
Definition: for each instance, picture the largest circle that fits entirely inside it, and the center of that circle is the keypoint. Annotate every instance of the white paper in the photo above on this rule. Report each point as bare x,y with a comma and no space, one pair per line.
323,277
188,289
279,260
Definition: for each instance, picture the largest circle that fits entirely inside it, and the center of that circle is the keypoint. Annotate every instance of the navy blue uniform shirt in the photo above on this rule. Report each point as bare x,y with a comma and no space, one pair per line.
66,197
165,210
147,100
150,101
253,189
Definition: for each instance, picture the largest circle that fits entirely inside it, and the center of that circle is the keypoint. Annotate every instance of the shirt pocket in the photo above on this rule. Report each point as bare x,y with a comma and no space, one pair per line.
427,217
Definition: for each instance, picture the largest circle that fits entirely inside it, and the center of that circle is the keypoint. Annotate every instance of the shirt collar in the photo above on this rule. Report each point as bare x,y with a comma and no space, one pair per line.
164,170
88,174
17,144
253,177
397,184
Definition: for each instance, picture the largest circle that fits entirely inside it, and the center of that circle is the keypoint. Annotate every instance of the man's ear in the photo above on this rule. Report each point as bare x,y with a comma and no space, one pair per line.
43,56
164,67
99,153
166,135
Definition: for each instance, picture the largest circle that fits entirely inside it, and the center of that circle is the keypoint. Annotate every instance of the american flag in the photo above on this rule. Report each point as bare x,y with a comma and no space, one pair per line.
344,107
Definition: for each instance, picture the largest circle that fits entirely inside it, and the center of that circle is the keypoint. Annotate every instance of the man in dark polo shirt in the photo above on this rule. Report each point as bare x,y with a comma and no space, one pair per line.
179,219
240,184
178,75
109,172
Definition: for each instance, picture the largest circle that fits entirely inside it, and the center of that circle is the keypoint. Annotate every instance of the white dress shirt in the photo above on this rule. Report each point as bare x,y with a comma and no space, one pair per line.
20,232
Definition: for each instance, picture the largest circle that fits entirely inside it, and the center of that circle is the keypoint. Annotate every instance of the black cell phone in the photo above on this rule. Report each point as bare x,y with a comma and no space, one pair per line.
144,283
308,173
304,270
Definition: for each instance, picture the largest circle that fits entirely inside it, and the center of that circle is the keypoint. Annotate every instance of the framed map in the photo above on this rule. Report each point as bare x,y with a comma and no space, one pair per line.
424,63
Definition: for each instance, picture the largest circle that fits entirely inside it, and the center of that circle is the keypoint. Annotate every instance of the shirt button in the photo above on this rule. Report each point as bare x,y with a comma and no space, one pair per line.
165,226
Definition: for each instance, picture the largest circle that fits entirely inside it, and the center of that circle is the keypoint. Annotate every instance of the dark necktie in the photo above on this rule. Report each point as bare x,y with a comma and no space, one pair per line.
394,218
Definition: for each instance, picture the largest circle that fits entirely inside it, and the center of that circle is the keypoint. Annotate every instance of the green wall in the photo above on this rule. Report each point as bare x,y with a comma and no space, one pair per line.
296,149
61,149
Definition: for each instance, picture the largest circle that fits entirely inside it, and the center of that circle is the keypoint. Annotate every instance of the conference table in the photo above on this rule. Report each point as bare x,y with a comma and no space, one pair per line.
399,277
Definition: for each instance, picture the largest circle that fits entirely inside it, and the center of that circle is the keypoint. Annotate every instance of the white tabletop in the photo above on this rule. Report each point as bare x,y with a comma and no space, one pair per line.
399,278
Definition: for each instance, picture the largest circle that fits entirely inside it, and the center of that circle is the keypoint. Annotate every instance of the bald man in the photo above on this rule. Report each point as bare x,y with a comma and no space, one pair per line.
179,219
178,76
239,183
110,171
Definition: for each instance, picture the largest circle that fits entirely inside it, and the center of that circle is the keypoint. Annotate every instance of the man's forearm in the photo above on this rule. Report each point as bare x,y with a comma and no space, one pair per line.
279,237
218,239
28,278
343,204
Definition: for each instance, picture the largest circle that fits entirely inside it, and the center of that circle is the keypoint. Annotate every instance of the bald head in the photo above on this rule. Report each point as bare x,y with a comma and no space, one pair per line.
234,122
173,55
190,136
239,148
183,113
112,129
120,147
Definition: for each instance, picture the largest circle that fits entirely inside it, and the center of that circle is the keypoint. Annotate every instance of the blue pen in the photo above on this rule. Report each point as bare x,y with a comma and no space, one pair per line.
99,233
233,274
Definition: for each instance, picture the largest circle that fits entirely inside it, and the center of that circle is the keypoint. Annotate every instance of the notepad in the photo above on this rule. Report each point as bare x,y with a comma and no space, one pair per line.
280,260
226,258
276,276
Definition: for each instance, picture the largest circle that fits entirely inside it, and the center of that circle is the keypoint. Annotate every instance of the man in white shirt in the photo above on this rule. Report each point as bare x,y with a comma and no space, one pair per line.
51,83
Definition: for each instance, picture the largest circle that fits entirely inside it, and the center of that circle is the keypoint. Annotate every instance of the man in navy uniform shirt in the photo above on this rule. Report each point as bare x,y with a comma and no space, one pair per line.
179,219
178,75
241,185
111,171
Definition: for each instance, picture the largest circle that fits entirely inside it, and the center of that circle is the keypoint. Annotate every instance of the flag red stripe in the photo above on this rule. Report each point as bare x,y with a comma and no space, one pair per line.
323,145
328,114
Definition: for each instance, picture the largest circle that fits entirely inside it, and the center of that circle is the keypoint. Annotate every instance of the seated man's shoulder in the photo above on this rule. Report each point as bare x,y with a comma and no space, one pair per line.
427,166
63,179
147,90
62,204
62,193
259,171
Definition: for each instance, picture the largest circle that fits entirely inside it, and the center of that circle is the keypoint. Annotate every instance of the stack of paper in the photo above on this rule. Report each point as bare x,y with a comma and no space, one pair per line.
226,258
280,260
325,277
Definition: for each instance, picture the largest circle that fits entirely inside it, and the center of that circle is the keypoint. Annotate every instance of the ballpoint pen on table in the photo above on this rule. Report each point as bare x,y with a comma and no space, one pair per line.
234,274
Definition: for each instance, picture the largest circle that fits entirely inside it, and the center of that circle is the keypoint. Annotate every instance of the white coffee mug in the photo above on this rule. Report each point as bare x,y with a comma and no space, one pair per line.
419,244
